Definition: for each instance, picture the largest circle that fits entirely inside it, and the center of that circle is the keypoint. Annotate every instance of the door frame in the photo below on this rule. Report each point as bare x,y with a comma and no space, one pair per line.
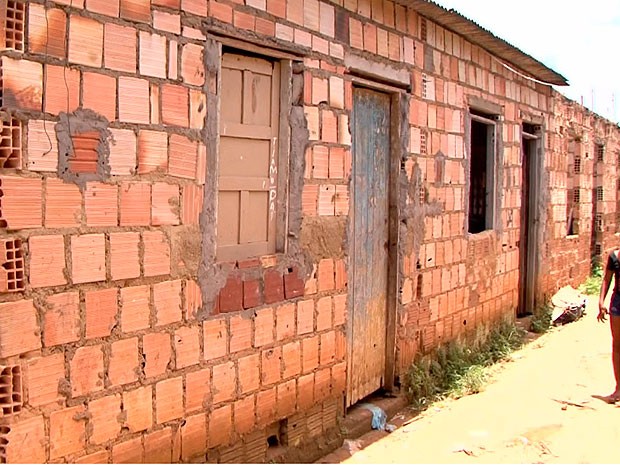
529,263
399,105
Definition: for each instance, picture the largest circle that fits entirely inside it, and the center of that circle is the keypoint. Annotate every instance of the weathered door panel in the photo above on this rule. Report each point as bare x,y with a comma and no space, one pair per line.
369,245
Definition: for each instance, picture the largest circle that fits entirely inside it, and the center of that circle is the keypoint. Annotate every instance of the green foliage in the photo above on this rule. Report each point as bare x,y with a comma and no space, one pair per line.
541,319
456,369
592,286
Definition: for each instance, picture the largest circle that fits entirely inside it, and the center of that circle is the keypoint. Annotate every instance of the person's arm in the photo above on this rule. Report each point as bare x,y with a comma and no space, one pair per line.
602,310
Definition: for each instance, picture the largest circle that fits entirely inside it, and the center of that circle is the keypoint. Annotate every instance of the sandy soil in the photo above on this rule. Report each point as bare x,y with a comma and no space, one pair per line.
540,407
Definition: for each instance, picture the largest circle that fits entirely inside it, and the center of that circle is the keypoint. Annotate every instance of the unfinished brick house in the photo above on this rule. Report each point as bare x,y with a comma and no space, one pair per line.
223,223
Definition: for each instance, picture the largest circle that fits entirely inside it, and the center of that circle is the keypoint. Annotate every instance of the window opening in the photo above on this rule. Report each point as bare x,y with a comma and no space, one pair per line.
482,172
600,152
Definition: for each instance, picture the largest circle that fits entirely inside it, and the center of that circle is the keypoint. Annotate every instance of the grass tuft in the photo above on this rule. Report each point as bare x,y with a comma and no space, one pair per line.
592,286
541,318
456,369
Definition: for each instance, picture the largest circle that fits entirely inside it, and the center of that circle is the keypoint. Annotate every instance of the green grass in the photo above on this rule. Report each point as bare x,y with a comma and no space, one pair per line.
456,369
541,318
592,286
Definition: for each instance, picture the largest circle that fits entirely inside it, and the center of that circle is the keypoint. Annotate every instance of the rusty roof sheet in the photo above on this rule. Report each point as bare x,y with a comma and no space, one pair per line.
459,24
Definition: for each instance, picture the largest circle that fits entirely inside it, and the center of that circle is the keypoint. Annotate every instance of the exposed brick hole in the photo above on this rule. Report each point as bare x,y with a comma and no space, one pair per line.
424,86
600,152
422,195
12,273
576,195
14,25
277,435
3,223
1,87
418,289
599,193
423,142
11,390
598,222
11,143
423,29
577,164
598,249
4,441
85,156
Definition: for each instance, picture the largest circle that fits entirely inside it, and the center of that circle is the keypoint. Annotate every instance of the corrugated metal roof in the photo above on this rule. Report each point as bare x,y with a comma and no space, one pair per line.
459,24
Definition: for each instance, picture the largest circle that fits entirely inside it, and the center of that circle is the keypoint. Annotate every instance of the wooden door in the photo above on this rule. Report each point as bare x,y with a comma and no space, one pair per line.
248,148
369,245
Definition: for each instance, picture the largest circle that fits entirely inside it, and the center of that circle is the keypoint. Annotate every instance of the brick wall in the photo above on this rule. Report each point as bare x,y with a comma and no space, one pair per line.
121,338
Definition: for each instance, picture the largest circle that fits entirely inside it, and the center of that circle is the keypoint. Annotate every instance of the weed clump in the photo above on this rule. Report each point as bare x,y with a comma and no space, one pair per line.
456,369
541,318
592,286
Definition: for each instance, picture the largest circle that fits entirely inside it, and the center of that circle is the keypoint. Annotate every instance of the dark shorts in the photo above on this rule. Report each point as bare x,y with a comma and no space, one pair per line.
614,307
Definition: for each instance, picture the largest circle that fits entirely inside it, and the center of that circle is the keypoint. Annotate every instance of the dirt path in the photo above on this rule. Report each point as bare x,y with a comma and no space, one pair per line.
538,408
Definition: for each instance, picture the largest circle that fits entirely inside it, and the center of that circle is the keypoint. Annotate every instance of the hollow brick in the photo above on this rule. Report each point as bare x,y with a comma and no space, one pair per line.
249,373
123,365
291,357
197,389
245,414
124,255
21,202
175,105
101,310
104,418
168,22
101,204
61,90
86,369
219,426
166,204
240,333
61,319
133,100
152,151
131,451
47,35
271,361
120,48
22,84
138,406
152,55
47,261
324,314
63,204
309,354
167,302
135,203
215,334
26,441
264,324
99,95
182,160
88,258
197,7
266,406
103,7
67,432
101,456
85,41
136,10
42,377
135,308
156,253
287,398
157,353
194,436
187,346
285,321
168,395
192,204
19,330
224,382
192,65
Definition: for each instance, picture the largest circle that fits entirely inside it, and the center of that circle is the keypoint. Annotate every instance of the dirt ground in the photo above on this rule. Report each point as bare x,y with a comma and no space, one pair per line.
539,407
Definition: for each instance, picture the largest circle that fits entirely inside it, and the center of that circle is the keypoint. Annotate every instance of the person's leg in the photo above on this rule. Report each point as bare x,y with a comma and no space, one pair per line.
614,321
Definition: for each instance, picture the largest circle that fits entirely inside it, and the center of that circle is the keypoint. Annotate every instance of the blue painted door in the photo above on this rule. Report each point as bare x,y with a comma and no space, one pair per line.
369,245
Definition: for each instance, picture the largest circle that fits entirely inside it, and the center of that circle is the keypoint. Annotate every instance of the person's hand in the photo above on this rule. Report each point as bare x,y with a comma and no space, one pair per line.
602,313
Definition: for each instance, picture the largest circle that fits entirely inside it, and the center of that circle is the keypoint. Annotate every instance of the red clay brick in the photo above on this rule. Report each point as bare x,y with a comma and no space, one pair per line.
42,377
124,255
61,319
328,348
224,382
291,357
197,113
175,105
135,311
270,366
168,399
194,436
104,418
274,286
197,390
231,295
152,55
152,151
103,456
22,82
43,156
123,368
305,387
168,22
322,384
293,284
130,451
47,261
21,202
138,404
155,104
340,309
157,353
63,204
305,317
100,204
265,27
101,310
192,65
86,368
99,94
266,406
19,330
245,415
252,296
167,302
85,41
285,321
47,35
324,314
197,7
192,204
326,275
27,441
220,426
158,446
120,48
67,434
287,398
249,373
264,327
187,347
221,11
88,258
156,253
136,10
135,204
240,334
62,89
173,4
183,159
104,7
193,299
310,354
133,100
215,333
165,204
